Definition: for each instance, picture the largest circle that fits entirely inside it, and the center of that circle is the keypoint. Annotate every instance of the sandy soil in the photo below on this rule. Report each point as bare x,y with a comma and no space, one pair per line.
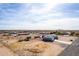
34,47
30,48
67,38
4,51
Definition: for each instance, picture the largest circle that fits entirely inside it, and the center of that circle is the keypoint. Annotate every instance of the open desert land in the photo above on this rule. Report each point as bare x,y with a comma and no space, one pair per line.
4,51
10,45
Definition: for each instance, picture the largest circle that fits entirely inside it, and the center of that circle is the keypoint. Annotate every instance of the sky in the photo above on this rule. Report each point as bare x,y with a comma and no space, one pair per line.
39,16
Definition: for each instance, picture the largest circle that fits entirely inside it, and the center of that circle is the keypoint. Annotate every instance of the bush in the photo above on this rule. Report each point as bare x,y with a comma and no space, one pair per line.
58,33
76,34
38,48
72,34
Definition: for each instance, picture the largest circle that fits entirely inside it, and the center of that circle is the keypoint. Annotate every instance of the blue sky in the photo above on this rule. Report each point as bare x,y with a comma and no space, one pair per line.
39,16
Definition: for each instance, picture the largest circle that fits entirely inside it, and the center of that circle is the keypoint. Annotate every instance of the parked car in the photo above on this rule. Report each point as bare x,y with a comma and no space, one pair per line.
49,38
55,36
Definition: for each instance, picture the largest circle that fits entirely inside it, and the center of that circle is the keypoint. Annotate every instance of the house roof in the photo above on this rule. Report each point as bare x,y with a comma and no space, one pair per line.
72,50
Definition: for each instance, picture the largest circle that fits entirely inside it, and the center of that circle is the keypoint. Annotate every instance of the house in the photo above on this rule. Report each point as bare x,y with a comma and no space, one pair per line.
71,50
23,34
66,33
13,34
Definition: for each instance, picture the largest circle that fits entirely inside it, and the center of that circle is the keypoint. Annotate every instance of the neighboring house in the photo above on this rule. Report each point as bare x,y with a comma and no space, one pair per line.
67,33
13,34
23,34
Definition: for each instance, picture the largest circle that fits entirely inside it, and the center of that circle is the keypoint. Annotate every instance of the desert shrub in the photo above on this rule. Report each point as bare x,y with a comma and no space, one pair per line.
72,34
38,48
58,33
76,34
36,37
26,48
29,37
20,40
52,32
16,46
71,40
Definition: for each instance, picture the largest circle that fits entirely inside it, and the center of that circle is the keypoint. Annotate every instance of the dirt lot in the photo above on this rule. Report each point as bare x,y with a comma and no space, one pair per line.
67,38
34,47
4,51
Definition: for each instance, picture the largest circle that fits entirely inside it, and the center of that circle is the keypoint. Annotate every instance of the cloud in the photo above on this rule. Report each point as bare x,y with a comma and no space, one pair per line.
39,16
44,9
65,23
8,10
69,10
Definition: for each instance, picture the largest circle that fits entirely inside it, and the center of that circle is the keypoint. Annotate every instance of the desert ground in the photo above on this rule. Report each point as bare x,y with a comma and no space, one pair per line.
10,46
